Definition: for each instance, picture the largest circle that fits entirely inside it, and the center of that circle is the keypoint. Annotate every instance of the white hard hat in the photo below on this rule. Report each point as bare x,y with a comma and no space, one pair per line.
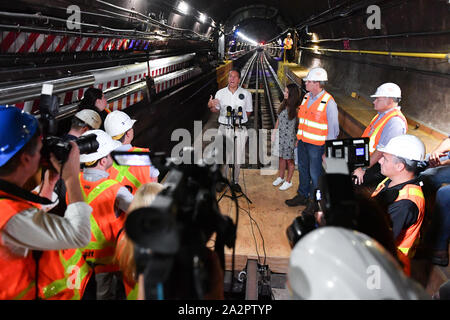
90,117
405,146
118,122
389,89
316,74
289,34
332,263
106,144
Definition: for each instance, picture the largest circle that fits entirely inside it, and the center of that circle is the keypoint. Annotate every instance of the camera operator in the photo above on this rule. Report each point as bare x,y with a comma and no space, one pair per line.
119,126
233,96
24,225
401,191
109,200
83,121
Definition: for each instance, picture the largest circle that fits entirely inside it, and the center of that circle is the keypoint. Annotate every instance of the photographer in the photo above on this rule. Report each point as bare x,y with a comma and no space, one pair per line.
83,121
109,200
24,225
94,99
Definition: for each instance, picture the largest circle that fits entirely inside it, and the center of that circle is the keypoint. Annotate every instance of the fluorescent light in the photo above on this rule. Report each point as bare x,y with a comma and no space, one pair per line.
245,38
202,18
183,7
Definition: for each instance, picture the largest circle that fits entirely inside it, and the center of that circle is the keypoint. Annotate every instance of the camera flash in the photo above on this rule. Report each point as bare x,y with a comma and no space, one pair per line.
47,89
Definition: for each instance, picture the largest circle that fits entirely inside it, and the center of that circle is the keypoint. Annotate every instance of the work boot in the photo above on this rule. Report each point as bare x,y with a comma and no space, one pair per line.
298,200
311,207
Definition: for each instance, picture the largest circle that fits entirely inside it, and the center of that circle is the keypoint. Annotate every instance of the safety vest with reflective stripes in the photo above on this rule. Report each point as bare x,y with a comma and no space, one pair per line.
131,176
288,43
374,130
63,275
17,274
105,226
312,121
408,238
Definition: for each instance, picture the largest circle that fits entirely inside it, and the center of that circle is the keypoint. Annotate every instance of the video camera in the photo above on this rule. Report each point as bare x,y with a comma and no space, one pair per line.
48,108
170,235
335,197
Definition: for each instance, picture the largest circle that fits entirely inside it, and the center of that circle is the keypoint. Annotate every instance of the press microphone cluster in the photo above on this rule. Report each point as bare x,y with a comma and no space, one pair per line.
234,117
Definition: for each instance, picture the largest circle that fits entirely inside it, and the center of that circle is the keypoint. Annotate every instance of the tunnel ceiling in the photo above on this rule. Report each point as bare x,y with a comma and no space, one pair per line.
263,20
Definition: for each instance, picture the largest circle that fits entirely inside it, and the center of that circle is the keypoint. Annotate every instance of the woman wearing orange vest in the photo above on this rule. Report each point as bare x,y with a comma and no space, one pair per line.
388,123
109,200
120,127
401,192
317,122
24,226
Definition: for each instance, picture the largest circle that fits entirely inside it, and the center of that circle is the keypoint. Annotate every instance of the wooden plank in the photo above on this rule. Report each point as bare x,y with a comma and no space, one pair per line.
272,215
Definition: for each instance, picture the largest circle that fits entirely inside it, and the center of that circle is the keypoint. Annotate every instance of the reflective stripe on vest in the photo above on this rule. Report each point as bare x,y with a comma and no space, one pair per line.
313,129
100,241
410,237
376,133
140,176
74,290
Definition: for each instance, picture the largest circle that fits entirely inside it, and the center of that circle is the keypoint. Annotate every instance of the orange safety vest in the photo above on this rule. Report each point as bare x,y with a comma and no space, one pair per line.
312,121
131,176
288,43
105,226
407,239
63,275
17,274
374,132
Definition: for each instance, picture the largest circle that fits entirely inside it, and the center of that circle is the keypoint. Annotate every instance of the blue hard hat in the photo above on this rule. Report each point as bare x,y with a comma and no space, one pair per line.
16,129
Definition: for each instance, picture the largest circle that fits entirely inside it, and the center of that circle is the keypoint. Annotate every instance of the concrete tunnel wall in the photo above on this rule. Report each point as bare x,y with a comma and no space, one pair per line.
424,82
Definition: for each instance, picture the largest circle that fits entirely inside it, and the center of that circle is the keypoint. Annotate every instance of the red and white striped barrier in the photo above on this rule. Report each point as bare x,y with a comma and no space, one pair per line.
31,42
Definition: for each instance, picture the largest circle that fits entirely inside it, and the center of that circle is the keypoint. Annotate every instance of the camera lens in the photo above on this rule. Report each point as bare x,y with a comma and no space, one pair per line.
87,144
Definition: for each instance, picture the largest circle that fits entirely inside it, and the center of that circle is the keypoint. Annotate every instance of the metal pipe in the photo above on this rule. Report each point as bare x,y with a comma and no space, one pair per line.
32,90
387,53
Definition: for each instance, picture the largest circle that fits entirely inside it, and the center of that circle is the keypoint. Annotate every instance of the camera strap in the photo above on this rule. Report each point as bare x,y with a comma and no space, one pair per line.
16,191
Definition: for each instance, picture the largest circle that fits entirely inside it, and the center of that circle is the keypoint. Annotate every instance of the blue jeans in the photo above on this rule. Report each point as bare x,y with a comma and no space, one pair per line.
309,167
439,232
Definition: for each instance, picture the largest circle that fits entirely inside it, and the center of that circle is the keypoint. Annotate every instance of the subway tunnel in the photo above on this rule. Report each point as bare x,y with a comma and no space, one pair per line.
161,61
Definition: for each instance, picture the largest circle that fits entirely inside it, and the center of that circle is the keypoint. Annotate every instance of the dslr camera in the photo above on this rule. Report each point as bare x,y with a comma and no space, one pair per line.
48,108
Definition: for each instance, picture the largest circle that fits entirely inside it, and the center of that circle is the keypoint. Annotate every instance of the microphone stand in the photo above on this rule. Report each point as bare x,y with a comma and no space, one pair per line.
233,196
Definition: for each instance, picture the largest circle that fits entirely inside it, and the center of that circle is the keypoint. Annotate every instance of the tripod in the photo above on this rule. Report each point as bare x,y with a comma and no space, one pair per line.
232,117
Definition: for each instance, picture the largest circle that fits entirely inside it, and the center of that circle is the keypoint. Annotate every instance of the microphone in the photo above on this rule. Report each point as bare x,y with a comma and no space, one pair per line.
228,114
239,114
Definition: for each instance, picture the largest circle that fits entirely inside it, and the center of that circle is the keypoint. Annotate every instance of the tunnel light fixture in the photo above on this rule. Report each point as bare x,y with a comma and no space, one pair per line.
202,17
315,38
183,7
245,38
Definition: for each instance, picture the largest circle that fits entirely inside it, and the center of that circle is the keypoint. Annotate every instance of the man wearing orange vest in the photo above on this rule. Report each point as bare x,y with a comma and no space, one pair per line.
401,191
109,200
287,46
387,124
318,122
25,227
119,126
